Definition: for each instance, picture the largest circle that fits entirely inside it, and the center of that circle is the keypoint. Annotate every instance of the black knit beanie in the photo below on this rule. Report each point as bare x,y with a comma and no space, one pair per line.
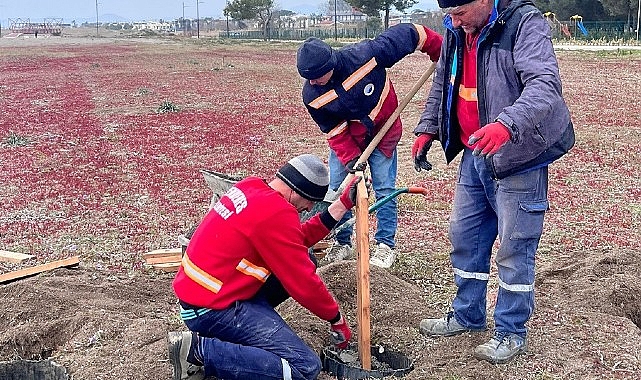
307,175
315,58
452,3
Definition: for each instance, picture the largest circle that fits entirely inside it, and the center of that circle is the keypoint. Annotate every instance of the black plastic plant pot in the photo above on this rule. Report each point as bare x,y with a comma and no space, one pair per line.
345,364
32,370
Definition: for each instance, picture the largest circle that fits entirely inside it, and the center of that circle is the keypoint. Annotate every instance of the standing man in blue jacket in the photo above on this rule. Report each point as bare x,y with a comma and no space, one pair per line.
349,95
497,98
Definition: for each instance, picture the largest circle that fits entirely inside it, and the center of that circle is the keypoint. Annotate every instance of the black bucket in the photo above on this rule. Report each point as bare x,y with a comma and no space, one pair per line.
385,362
32,370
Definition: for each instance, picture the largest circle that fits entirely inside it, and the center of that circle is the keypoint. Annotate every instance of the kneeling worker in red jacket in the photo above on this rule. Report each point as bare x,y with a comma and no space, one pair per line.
251,235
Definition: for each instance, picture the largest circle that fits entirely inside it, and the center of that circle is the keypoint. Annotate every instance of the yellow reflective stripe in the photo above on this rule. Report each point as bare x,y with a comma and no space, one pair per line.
422,36
323,99
468,94
337,130
359,74
199,276
255,271
372,115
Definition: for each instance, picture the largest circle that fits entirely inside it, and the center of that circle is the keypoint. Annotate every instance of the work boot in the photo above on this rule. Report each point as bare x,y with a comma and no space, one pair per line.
502,348
338,252
446,326
383,256
181,357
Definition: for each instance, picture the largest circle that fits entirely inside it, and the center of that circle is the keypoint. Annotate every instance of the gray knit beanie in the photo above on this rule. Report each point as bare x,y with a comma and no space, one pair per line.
307,175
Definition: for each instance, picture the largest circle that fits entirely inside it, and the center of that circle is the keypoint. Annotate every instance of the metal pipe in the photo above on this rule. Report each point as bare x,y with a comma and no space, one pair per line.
336,22
638,15
96,18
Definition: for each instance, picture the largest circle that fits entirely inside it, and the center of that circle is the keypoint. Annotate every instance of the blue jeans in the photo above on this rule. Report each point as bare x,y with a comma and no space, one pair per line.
383,171
250,341
512,209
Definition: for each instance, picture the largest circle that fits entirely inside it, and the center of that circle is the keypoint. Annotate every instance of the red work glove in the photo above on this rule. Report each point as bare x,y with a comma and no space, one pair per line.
341,334
489,139
348,196
422,144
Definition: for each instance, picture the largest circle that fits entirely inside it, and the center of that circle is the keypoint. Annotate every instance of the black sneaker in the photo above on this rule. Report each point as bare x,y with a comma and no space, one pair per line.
179,345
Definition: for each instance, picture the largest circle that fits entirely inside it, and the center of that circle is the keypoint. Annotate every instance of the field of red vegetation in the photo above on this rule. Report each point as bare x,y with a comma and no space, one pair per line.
101,146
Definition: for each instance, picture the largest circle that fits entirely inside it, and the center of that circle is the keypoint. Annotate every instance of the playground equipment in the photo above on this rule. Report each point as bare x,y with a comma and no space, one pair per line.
578,25
557,25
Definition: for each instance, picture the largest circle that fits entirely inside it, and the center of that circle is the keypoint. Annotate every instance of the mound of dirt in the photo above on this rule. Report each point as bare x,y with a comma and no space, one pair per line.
101,326
396,307
96,325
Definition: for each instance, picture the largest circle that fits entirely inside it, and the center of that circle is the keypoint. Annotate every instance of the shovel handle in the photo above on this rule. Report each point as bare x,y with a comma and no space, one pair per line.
376,205
390,121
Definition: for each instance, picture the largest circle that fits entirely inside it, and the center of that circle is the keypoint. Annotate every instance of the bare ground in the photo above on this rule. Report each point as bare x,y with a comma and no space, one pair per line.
101,326
112,324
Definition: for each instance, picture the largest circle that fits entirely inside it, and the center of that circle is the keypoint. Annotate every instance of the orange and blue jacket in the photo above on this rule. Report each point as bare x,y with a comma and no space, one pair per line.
359,98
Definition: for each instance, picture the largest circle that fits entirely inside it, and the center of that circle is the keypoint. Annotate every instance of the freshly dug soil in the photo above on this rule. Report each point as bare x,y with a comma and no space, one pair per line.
101,326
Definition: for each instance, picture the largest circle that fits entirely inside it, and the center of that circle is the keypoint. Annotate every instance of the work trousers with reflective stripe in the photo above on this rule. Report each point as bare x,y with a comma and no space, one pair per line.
512,209
250,341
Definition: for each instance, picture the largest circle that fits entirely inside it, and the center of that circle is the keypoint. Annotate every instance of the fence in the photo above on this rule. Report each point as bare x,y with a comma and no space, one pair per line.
606,30
341,31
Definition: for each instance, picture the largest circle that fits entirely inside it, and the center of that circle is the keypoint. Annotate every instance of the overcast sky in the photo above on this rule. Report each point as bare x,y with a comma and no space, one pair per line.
138,10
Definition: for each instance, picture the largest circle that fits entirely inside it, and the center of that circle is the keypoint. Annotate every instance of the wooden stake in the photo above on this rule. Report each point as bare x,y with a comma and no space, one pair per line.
362,273
72,261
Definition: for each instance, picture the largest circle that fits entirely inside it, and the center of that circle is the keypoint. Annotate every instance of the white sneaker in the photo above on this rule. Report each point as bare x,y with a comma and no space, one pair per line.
338,252
383,257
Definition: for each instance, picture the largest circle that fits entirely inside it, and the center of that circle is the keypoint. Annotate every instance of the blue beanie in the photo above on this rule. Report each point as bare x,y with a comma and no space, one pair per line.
315,58
307,175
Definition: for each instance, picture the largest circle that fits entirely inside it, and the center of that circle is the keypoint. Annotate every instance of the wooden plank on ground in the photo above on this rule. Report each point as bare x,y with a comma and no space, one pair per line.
162,252
168,267
72,261
13,257
163,259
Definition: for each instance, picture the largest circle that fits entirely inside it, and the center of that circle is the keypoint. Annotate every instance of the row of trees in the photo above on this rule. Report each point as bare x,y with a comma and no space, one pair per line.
264,10
593,10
